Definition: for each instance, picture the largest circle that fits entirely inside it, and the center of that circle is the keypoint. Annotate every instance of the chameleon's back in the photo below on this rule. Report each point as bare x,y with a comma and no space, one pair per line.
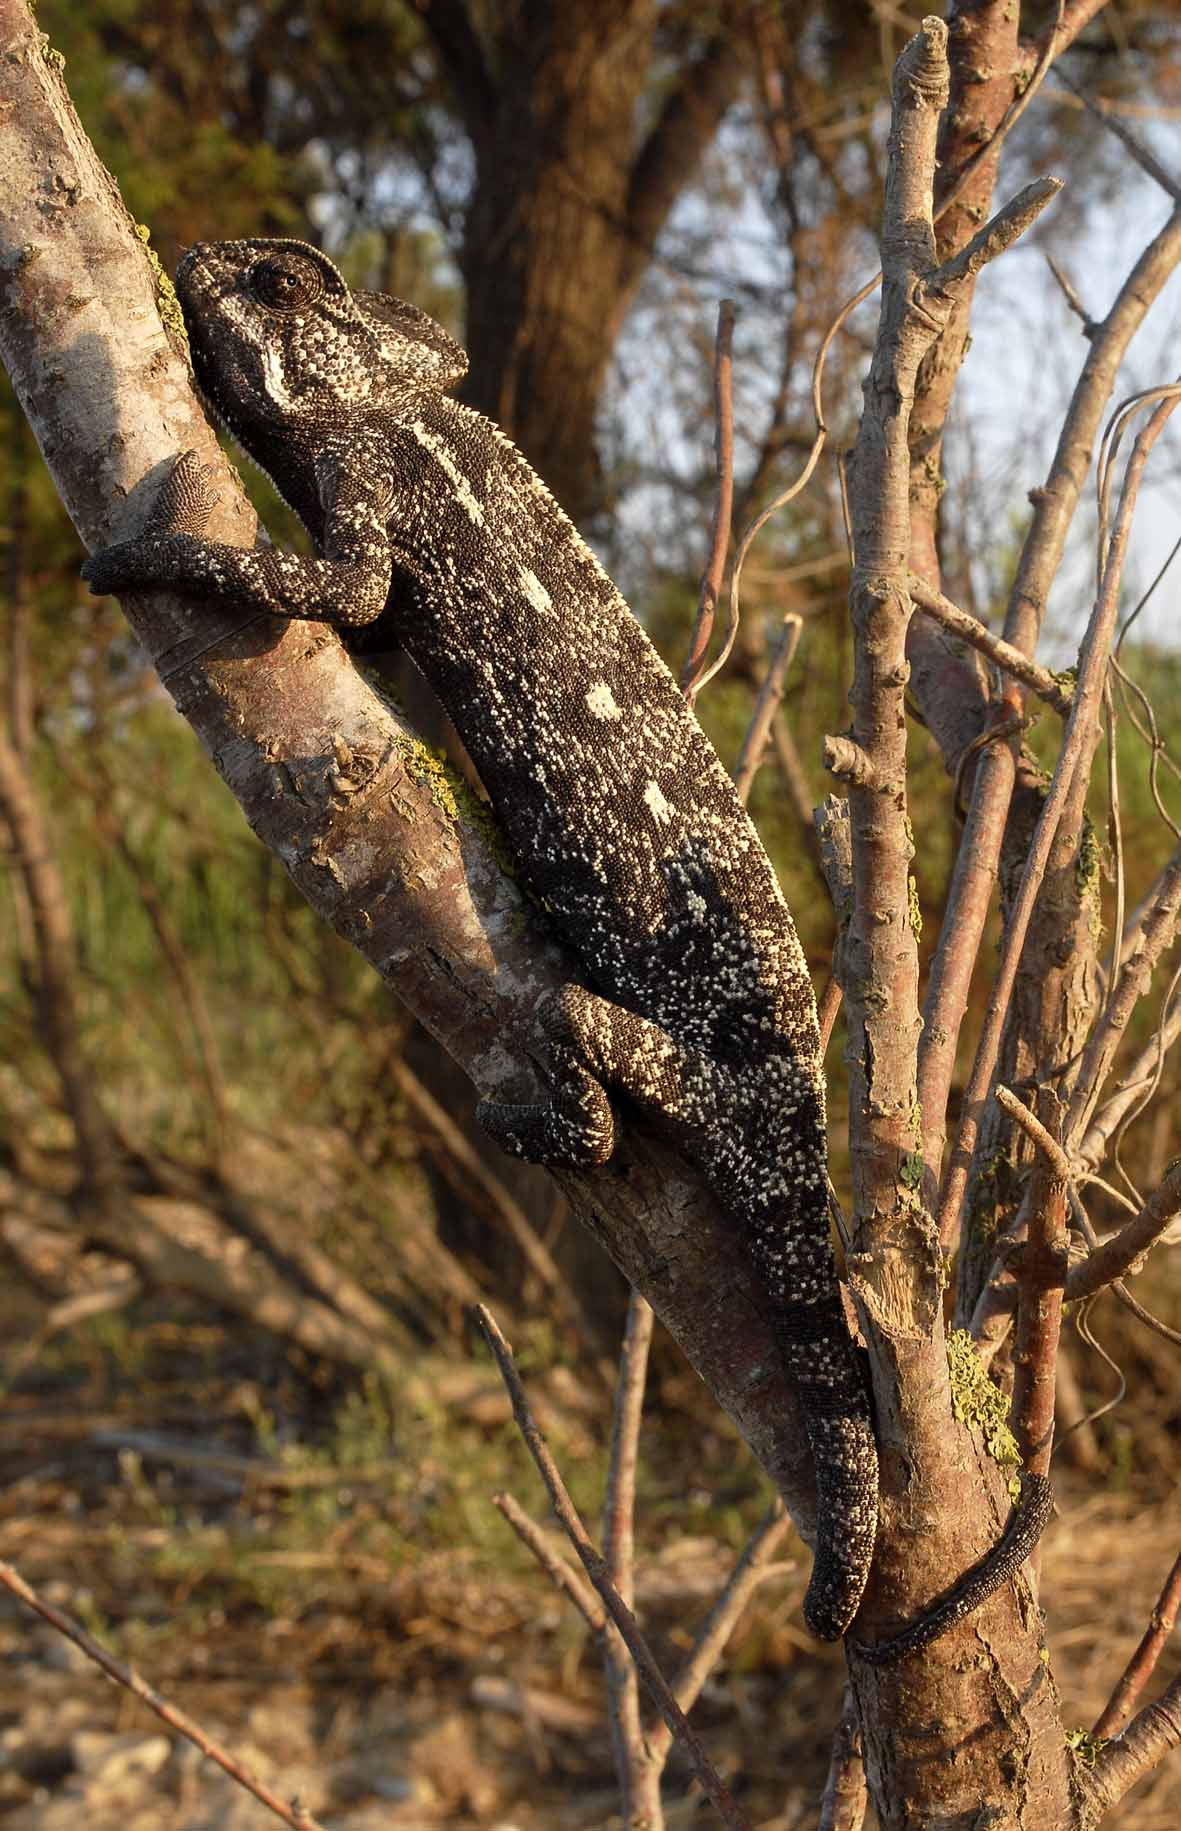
616,806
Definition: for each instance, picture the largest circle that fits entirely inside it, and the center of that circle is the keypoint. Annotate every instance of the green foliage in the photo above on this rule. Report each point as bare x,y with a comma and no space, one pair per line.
390,1482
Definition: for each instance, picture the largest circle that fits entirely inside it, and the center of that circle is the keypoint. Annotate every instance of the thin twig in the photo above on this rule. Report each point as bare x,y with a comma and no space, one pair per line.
561,1574
592,1562
716,1629
619,1511
845,1796
766,706
1140,1077
636,1768
1119,1289
291,1812
1070,294
1115,836
1146,160
1140,1667
692,679
830,1004
1118,1255
1145,1743
1047,686
1041,1274
1077,748
1035,1131
1158,933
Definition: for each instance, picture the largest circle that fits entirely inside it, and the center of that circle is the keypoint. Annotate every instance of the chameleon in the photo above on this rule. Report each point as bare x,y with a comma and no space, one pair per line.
690,996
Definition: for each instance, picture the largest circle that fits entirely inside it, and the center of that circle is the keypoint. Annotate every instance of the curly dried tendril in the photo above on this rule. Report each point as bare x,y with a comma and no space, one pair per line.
286,283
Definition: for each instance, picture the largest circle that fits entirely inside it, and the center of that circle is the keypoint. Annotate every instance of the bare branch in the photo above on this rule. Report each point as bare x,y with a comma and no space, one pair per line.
1119,1255
1041,1274
693,675
1157,934
1142,1664
290,1811
637,1767
1054,506
561,1574
883,1015
710,1640
1010,222
1077,751
1137,1080
843,1803
619,1510
827,1008
850,764
766,705
1145,159
592,1562
1037,1133
1144,1744
1002,654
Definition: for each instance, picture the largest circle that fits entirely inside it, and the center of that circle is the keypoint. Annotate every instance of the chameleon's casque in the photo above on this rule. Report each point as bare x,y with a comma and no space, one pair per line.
692,995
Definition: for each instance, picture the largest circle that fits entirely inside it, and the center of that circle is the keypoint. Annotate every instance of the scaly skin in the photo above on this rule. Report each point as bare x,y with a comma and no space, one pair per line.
692,997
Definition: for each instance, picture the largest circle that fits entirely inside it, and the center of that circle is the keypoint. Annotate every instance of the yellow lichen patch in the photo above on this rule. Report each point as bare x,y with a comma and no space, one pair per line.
914,910
434,772
167,303
453,797
978,1401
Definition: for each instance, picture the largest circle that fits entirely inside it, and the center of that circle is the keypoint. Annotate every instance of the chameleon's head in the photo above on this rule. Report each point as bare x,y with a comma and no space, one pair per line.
277,337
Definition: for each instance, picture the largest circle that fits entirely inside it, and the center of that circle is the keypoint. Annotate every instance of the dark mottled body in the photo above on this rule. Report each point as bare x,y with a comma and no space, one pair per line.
693,998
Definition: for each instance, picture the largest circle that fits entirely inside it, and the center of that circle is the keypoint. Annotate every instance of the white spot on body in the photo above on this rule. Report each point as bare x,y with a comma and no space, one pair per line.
535,591
655,802
273,376
439,450
601,701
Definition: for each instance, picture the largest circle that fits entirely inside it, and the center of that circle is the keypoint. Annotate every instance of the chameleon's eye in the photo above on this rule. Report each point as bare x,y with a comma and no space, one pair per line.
286,283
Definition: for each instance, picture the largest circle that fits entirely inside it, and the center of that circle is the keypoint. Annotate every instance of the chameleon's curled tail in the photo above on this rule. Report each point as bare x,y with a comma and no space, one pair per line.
1026,1525
827,1371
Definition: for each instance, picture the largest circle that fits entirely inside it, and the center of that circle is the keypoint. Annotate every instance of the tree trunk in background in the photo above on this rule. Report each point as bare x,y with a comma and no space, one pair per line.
570,193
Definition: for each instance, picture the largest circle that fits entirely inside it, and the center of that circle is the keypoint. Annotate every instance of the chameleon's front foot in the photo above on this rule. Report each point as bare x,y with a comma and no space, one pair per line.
164,552
136,565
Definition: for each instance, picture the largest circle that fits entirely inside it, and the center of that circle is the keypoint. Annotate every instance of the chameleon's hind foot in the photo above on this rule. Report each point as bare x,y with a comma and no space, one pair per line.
634,1055
575,1130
